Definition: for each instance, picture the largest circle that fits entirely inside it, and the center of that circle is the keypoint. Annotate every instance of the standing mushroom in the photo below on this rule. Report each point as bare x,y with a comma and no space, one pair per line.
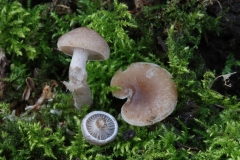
82,44
99,128
151,94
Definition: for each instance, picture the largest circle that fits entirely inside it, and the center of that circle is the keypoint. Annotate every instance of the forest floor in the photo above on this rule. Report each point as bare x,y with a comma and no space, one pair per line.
215,48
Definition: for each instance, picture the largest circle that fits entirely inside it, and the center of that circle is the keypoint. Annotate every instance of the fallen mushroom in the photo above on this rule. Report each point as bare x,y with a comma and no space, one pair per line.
150,91
82,44
99,128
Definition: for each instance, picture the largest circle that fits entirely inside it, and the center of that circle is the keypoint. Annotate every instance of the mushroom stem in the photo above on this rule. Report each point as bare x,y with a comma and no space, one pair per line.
77,70
78,79
101,123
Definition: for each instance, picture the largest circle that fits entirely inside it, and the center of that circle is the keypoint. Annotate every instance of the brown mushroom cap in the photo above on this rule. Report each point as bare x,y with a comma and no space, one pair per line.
87,39
151,93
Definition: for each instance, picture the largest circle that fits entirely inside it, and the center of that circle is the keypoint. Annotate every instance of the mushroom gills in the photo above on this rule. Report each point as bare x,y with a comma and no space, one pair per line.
100,126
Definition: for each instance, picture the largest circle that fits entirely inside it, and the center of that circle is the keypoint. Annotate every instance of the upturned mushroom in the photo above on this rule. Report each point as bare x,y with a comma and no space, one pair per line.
150,91
99,128
82,44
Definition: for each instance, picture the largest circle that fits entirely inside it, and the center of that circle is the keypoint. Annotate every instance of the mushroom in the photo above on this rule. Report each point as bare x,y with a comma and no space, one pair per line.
99,128
82,44
151,93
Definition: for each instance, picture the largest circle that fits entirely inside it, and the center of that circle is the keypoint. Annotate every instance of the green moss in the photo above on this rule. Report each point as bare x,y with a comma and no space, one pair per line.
17,28
202,131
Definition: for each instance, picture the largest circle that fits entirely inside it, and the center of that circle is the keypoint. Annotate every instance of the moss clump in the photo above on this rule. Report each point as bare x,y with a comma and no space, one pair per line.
203,126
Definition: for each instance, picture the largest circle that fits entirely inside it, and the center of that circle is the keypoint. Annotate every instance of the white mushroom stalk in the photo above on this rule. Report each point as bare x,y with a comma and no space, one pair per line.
77,70
82,44
78,79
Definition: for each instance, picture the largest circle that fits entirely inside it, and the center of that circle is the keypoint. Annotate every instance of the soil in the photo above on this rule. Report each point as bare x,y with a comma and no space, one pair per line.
215,48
